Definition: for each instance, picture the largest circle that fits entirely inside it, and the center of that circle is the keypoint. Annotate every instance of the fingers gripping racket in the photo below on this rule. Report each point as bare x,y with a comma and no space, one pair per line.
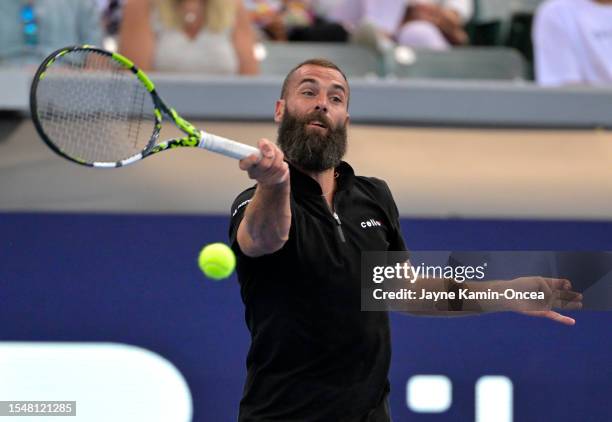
98,109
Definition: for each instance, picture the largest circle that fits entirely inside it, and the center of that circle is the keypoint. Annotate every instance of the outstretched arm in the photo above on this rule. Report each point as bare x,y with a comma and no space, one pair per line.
265,226
553,293
243,39
136,39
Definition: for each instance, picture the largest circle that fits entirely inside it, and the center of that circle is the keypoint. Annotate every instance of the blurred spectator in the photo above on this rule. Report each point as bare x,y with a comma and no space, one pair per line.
434,24
573,42
292,20
426,24
111,20
111,15
30,30
267,15
203,36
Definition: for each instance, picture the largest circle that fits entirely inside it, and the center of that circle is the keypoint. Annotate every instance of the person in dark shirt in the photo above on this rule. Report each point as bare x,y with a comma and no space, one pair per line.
298,235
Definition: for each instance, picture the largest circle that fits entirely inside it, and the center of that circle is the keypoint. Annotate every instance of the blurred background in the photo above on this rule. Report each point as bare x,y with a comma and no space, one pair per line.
489,119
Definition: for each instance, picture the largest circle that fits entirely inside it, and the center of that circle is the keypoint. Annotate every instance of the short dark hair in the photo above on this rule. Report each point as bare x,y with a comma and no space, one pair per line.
313,62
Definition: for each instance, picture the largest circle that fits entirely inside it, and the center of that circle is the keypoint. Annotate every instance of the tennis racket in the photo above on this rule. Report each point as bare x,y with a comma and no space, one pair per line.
96,108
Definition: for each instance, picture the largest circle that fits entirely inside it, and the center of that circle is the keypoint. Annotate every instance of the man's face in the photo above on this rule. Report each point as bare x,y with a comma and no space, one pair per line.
313,118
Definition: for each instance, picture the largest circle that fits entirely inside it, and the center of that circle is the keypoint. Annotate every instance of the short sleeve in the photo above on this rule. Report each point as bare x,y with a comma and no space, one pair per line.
236,215
251,270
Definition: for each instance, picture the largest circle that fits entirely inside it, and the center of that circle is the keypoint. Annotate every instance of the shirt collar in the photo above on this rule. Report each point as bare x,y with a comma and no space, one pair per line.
303,183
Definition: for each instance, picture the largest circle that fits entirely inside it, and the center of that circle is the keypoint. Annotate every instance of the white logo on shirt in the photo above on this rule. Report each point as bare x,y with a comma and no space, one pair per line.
242,204
371,223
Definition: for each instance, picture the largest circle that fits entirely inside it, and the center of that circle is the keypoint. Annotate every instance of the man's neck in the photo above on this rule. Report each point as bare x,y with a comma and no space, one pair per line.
327,180
608,2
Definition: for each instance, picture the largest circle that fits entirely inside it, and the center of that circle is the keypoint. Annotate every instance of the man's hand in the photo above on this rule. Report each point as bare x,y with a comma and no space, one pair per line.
447,20
555,316
271,169
557,294
562,297
424,12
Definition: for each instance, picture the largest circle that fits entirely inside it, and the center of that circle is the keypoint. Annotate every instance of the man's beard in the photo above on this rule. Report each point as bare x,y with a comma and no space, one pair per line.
311,150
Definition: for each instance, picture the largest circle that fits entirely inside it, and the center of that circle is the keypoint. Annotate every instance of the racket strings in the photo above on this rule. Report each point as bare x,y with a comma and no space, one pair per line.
138,101
93,109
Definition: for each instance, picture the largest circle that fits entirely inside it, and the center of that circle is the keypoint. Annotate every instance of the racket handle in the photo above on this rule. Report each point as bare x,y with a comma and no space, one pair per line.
227,147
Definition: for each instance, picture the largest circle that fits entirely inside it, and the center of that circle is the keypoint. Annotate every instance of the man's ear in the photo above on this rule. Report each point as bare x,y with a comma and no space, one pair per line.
279,110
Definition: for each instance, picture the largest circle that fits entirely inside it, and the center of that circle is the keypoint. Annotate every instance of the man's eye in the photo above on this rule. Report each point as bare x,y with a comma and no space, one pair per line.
309,93
337,99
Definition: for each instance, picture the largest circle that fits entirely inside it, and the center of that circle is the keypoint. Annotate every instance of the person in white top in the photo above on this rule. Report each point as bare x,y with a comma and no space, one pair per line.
197,36
427,24
295,20
573,42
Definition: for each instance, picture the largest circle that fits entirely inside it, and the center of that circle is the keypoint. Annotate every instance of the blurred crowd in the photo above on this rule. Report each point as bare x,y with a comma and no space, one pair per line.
572,39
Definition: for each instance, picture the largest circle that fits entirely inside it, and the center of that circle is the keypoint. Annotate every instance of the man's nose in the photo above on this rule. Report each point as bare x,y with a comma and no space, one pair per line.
321,104
321,107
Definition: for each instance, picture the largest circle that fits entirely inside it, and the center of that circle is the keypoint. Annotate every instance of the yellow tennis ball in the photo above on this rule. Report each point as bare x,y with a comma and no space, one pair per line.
217,261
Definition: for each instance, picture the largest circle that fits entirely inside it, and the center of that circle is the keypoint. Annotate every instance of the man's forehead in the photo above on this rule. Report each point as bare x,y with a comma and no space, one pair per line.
318,74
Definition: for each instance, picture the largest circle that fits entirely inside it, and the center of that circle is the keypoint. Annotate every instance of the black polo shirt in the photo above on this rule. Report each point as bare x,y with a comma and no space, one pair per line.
314,355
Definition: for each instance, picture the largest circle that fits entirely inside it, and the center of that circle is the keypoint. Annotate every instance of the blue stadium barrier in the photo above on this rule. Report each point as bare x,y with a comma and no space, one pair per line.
133,279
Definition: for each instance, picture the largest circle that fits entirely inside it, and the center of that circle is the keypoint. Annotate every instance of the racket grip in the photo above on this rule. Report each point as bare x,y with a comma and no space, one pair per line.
227,147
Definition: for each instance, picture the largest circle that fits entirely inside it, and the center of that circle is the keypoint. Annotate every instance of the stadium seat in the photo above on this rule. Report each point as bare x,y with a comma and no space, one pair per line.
492,63
519,37
493,20
502,10
354,60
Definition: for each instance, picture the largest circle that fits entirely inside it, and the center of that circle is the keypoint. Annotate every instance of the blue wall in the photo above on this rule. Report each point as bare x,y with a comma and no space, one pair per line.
134,279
